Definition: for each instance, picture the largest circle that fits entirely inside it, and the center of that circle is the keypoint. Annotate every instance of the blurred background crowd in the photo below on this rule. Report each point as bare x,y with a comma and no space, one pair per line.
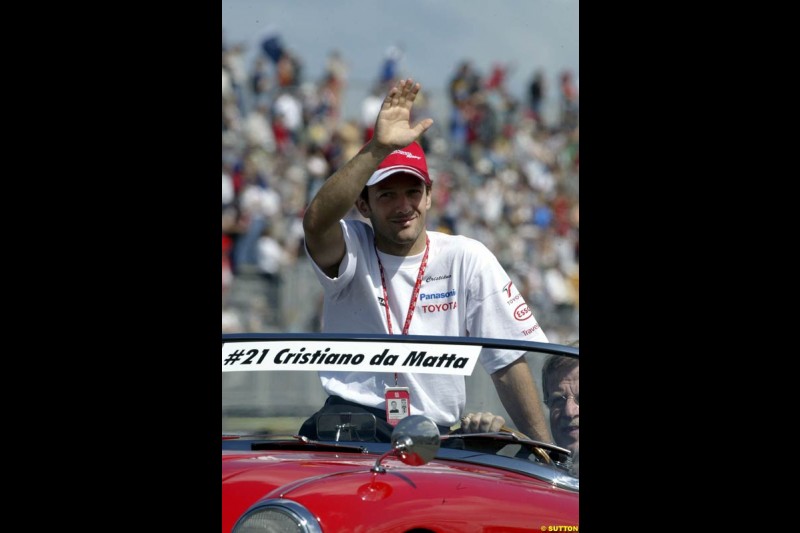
504,170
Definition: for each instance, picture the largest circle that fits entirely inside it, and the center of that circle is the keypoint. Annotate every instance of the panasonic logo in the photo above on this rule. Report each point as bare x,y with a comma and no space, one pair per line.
437,295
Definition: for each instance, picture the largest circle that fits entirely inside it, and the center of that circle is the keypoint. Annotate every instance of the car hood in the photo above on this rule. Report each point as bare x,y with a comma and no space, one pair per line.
340,490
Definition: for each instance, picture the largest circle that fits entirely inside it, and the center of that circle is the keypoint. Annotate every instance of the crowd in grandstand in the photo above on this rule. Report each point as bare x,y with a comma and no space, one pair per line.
501,172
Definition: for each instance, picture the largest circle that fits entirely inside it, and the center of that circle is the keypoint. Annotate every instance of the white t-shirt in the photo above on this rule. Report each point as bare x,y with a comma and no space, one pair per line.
464,293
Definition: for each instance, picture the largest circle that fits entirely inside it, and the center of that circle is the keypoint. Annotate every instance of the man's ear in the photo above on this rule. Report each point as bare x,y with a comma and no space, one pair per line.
363,207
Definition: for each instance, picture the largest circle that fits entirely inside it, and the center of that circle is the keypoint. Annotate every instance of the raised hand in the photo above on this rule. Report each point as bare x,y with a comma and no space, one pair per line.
393,127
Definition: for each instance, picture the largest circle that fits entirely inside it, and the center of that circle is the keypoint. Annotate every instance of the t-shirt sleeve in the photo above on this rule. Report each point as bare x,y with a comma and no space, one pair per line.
347,267
498,310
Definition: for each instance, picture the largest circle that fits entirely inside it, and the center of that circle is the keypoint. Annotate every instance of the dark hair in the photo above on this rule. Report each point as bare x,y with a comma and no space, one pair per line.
556,367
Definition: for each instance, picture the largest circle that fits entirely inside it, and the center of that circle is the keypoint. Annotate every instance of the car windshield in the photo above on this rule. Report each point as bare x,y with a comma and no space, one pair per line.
271,387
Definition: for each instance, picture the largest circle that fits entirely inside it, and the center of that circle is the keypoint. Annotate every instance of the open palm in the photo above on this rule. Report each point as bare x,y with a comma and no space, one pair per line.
393,127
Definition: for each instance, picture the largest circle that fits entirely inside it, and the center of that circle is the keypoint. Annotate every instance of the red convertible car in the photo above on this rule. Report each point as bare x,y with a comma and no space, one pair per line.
343,479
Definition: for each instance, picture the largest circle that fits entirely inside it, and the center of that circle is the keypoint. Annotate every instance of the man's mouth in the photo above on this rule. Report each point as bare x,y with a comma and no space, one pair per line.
403,220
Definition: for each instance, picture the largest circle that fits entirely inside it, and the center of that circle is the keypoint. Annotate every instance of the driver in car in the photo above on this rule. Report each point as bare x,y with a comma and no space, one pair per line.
560,384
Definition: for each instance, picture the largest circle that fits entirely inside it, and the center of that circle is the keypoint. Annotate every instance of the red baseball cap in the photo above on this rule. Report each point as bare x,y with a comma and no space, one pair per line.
410,159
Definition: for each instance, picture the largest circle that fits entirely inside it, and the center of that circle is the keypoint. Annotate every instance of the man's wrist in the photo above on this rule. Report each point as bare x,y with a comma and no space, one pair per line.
377,151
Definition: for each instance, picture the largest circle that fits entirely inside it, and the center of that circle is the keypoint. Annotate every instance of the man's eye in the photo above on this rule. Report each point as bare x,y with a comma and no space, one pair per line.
558,402
555,401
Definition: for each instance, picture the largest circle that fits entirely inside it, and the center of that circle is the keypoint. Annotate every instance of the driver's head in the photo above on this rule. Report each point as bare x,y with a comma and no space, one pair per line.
561,394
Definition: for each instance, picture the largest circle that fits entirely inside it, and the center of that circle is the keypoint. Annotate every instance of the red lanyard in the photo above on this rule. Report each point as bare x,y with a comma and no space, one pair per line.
413,304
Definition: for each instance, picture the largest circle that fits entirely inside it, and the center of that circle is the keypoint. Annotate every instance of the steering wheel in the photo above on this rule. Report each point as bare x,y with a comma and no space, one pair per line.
542,455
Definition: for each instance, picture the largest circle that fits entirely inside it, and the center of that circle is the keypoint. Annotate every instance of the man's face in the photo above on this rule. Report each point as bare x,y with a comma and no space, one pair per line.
398,208
563,401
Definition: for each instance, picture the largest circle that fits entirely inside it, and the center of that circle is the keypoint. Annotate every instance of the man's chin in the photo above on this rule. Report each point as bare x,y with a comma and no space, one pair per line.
574,449
567,441
408,234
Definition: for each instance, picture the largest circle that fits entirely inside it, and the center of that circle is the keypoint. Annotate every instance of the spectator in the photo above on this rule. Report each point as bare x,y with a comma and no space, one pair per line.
536,95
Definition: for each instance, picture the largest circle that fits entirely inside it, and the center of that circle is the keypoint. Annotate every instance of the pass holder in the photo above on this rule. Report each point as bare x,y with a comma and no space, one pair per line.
398,404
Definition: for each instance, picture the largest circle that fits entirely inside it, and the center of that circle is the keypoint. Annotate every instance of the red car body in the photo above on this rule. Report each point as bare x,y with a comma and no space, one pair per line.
419,483
441,496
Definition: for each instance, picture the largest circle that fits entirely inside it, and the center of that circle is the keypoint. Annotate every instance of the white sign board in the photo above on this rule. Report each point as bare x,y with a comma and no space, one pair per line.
349,356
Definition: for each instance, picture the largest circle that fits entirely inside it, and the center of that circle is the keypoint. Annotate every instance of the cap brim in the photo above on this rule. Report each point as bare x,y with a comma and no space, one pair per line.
382,174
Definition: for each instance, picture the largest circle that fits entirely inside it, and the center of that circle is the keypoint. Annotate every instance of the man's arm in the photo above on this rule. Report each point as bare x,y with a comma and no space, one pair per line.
323,235
520,397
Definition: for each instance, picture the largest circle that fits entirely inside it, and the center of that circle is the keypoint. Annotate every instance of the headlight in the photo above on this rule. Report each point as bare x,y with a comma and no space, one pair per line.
277,516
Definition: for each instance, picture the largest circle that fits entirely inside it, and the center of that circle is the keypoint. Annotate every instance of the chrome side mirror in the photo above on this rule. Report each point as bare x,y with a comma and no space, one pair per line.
415,441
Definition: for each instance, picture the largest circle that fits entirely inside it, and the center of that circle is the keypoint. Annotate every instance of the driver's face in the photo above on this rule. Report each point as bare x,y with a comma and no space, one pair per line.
564,409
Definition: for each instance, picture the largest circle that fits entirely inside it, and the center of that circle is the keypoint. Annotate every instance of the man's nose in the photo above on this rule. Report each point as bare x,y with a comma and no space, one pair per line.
571,407
403,203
